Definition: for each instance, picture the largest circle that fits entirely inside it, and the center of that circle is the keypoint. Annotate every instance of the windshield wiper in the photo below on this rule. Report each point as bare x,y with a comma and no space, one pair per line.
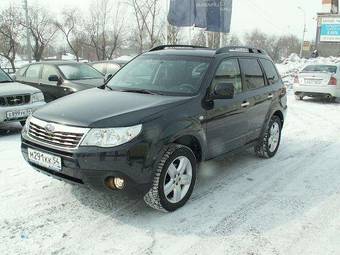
141,91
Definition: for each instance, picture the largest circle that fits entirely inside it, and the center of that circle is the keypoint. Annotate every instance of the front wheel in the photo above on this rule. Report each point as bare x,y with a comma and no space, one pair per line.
269,144
174,179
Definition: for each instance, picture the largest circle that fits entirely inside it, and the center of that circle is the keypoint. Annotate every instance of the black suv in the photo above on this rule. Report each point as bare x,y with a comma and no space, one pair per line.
147,129
59,78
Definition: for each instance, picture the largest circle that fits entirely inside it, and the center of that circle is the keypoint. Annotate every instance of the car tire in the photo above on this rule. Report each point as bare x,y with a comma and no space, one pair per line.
270,141
174,179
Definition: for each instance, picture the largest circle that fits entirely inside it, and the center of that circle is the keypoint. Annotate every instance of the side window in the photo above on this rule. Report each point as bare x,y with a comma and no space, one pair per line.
33,72
22,71
112,68
270,71
101,67
229,72
253,76
48,70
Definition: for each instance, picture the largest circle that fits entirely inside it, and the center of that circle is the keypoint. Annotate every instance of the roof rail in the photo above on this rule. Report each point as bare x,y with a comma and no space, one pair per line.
240,49
162,47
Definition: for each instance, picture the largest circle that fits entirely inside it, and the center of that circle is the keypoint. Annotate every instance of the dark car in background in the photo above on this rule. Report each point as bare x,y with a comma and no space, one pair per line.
109,67
59,78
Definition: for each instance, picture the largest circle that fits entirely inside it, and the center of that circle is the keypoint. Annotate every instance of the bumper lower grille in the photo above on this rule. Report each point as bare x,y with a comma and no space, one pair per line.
55,134
15,100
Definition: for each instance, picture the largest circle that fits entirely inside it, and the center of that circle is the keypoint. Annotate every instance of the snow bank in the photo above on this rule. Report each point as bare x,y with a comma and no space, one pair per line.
292,65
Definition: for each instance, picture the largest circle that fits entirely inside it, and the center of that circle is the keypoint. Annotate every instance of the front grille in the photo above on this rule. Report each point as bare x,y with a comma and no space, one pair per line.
61,136
15,100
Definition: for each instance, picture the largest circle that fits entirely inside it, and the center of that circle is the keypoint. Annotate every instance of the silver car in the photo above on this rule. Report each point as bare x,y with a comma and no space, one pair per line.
318,80
17,101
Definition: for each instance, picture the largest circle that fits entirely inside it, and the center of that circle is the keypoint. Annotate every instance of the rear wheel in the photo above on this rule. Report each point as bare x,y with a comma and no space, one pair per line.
174,179
270,142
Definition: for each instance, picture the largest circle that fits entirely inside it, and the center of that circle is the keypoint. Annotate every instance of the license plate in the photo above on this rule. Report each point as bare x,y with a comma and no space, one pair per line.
19,114
44,159
312,82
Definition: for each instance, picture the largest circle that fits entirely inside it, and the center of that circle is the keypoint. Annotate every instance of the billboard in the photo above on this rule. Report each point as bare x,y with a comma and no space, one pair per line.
330,29
213,15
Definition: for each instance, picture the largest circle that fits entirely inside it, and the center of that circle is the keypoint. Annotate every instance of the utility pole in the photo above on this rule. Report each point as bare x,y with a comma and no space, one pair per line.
304,30
28,37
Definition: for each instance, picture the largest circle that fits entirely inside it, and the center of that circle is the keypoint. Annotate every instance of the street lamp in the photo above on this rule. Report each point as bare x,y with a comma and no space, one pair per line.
304,30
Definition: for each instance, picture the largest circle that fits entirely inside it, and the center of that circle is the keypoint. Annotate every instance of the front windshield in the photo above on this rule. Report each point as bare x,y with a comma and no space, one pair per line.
169,75
79,72
4,77
320,69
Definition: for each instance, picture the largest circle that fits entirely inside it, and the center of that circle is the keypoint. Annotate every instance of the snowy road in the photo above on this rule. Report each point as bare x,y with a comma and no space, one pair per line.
241,205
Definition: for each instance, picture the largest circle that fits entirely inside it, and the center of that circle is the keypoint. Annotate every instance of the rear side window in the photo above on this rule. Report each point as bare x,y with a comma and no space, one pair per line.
253,76
229,72
270,71
33,72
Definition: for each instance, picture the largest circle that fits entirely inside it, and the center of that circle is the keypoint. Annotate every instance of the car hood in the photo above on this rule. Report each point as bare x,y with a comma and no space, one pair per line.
15,88
104,108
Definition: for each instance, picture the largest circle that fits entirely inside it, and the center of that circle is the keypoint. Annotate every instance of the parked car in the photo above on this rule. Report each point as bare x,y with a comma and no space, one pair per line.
108,67
59,78
17,101
318,80
147,129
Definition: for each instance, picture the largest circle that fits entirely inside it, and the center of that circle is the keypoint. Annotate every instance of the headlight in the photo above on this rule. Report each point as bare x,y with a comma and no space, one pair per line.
110,137
37,97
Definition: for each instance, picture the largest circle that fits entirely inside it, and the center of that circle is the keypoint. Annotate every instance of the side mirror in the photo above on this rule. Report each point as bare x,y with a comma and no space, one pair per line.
223,91
54,78
108,77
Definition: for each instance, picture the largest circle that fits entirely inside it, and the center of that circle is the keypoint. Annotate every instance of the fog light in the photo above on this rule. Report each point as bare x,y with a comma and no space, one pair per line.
119,183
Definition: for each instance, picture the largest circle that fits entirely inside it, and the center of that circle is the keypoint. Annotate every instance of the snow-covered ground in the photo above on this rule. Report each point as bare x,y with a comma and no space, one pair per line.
241,204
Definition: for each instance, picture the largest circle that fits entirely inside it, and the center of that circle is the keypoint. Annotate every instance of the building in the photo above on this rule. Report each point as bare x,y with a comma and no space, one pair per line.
328,29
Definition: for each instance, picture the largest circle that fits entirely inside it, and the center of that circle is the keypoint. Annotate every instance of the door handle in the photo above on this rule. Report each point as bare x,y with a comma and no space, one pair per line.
245,104
270,96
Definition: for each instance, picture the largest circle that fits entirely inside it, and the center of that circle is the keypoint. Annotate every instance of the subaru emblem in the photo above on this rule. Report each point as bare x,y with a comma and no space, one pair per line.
49,128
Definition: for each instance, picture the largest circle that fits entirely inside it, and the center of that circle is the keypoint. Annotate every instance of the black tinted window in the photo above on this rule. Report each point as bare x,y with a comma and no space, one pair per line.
270,71
33,72
229,72
253,76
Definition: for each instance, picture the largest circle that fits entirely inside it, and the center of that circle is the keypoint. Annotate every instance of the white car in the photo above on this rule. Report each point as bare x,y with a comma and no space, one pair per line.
318,80
17,101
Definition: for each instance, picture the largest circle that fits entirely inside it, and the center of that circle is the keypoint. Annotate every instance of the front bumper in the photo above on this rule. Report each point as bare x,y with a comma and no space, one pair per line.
5,109
317,90
91,166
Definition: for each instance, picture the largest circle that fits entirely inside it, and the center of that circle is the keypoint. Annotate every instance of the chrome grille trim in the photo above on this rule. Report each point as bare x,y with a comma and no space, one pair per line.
63,137
15,100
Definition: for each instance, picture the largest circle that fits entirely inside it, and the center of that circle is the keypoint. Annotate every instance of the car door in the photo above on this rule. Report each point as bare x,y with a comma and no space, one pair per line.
52,89
226,120
32,75
258,96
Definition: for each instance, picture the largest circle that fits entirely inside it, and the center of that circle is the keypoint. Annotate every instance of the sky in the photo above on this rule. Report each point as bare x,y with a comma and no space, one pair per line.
270,16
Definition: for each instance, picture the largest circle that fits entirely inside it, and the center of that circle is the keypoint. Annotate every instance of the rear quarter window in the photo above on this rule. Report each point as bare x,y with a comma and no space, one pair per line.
252,72
270,71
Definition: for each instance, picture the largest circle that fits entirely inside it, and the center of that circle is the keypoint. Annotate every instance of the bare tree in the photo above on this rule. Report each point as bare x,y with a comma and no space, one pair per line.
10,31
148,30
105,29
42,28
70,27
173,34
